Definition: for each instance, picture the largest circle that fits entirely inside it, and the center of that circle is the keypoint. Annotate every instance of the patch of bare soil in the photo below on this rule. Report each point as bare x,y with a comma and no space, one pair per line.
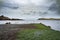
8,32
8,35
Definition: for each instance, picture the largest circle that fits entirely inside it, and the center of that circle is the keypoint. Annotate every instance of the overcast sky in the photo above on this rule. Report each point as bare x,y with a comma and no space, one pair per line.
29,9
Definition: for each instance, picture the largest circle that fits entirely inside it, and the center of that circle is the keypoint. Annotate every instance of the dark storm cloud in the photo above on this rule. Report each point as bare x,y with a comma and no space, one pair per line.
53,7
58,3
46,9
1,2
9,5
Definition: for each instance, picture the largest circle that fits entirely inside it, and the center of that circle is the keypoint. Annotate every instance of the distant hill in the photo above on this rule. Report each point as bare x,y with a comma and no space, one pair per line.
2,17
49,19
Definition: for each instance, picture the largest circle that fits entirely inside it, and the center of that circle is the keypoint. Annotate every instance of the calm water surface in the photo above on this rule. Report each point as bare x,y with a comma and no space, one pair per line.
55,24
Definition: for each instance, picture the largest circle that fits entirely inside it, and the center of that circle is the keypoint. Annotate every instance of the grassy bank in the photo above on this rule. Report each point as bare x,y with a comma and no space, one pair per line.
41,32
28,32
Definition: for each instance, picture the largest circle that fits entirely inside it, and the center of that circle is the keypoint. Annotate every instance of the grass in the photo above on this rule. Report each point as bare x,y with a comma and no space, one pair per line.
41,33
41,26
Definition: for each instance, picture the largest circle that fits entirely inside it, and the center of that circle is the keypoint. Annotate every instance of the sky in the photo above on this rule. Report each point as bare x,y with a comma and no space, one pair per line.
29,9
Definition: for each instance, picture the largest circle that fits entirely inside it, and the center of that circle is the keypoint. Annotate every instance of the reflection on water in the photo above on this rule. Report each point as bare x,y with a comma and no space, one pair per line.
55,24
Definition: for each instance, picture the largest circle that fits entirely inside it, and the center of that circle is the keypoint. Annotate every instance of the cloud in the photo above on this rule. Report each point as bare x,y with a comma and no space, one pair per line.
25,2
9,5
53,7
1,2
13,7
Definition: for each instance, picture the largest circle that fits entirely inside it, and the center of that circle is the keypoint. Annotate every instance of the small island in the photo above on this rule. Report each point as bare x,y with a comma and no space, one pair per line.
2,17
48,18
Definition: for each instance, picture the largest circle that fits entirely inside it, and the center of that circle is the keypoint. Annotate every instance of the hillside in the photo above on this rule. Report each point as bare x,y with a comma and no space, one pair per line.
2,17
48,18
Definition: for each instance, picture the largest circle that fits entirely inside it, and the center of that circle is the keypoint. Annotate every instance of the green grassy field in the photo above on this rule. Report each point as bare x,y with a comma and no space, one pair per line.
41,32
